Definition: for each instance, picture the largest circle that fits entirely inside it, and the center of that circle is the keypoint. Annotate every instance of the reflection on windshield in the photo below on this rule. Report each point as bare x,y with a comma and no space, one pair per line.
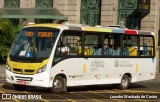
34,43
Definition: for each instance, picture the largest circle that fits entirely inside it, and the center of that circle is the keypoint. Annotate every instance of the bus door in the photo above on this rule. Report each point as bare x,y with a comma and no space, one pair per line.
68,55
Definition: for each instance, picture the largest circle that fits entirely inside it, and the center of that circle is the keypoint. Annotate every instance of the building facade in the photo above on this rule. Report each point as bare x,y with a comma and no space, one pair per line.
90,12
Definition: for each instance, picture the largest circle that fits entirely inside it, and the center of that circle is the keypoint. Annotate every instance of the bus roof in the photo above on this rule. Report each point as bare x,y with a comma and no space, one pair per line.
80,27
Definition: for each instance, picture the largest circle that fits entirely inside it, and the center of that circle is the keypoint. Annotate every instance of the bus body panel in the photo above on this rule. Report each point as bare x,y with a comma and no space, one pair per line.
40,80
73,68
25,72
92,71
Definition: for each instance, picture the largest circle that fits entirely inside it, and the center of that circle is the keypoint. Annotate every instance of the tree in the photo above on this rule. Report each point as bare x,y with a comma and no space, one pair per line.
7,35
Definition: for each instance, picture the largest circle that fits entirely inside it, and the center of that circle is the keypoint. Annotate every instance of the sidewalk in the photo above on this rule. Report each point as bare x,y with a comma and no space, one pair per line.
2,74
2,71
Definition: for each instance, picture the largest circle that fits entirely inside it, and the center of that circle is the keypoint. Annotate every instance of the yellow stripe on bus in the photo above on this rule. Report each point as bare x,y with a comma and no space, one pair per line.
97,29
136,67
84,68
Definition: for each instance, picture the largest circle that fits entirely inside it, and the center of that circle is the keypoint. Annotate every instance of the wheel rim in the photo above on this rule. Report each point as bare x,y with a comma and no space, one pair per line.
124,82
57,84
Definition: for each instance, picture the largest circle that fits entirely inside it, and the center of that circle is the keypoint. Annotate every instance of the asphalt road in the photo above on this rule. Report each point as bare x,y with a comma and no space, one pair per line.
147,91
137,92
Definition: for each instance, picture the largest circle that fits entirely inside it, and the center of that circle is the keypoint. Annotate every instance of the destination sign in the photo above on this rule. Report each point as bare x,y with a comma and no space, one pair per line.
29,34
45,34
40,34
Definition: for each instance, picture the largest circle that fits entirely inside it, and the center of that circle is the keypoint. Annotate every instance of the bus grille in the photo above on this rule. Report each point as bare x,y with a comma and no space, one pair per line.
23,71
26,79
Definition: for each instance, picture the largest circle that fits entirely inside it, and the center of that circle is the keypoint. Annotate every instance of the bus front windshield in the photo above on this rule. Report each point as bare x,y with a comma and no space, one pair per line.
33,44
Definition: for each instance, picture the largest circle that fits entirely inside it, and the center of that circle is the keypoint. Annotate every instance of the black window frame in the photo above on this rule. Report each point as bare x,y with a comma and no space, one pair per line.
63,57
94,46
153,40
102,34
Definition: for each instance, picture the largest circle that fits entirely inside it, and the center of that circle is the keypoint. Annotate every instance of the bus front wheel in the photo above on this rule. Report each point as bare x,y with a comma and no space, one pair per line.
19,87
124,82
59,85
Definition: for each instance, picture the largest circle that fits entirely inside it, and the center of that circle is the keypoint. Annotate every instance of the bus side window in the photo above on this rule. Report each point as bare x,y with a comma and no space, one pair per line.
73,41
90,44
112,44
145,49
146,46
79,47
110,51
75,44
133,51
64,47
126,52
130,45
87,51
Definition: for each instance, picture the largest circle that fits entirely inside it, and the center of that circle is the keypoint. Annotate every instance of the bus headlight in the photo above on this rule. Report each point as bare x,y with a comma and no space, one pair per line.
8,67
42,69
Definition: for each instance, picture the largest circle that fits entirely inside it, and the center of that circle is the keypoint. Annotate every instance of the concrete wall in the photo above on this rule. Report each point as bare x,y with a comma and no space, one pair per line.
23,3
27,3
1,3
69,8
109,15
150,23
109,12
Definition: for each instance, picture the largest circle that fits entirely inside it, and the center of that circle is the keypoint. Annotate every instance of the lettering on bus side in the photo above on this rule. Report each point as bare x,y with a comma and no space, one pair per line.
95,65
123,63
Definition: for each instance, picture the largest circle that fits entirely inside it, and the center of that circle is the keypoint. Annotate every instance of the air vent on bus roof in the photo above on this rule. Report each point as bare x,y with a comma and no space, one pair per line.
117,26
98,26
30,23
69,24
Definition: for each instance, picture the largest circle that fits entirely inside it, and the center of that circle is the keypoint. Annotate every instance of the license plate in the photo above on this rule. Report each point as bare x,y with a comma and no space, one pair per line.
22,82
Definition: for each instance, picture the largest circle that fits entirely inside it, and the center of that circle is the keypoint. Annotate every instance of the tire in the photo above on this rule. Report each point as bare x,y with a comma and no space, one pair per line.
124,82
59,85
19,87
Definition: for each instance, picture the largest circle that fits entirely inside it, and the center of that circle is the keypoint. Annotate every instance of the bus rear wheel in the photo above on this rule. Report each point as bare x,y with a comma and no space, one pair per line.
19,87
124,82
59,85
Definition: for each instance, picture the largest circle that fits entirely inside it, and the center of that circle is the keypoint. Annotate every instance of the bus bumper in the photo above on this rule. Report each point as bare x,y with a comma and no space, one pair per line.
39,80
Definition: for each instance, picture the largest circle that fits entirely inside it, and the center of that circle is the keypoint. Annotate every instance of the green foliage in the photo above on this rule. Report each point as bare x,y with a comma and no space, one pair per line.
7,35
